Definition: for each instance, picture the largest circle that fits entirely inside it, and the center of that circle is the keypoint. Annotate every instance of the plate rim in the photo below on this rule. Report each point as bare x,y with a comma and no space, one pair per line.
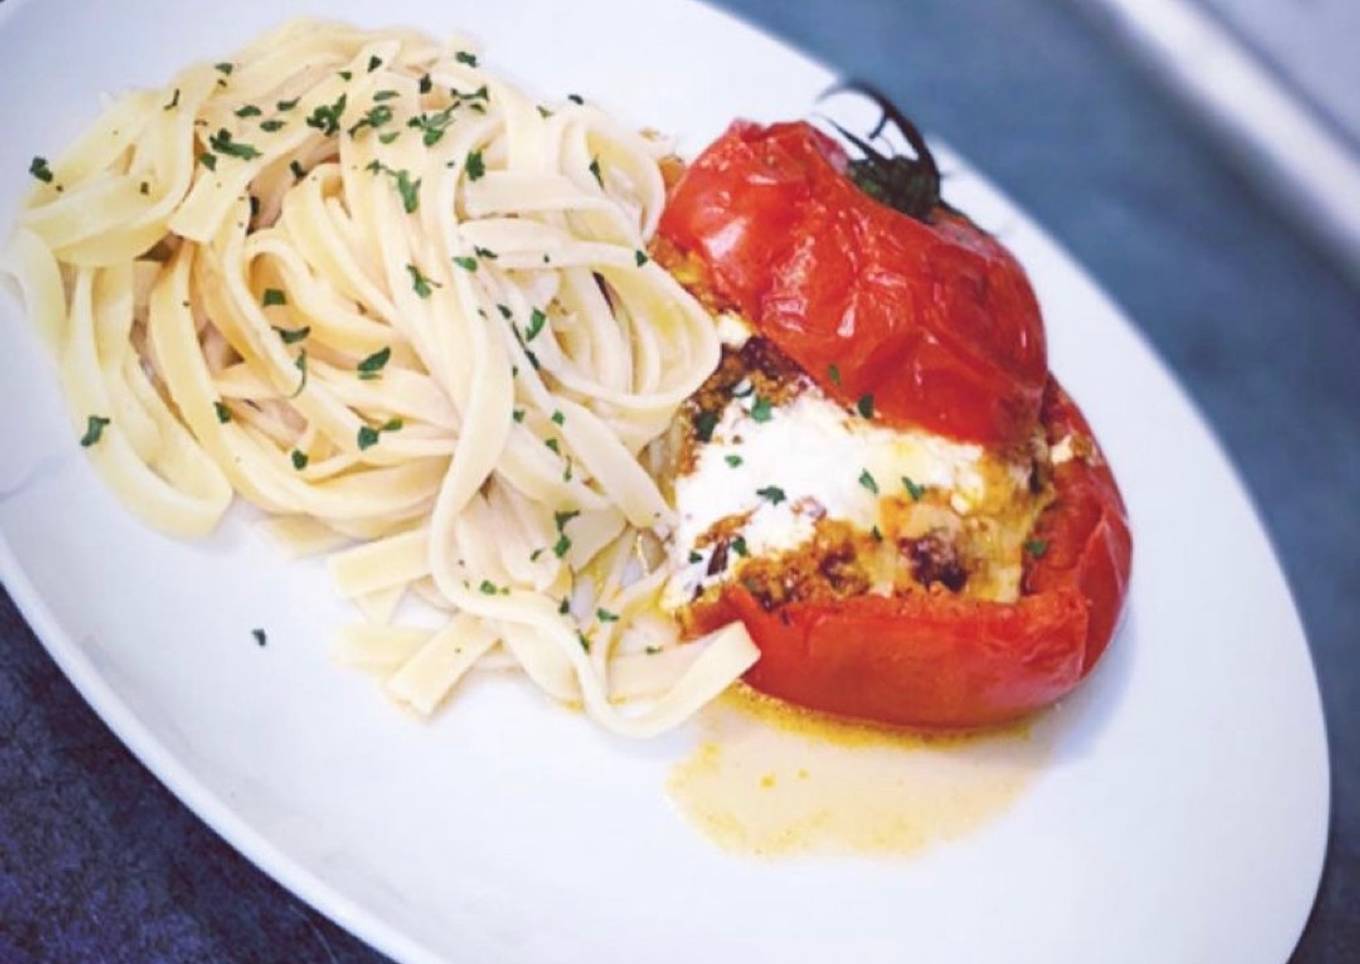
327,899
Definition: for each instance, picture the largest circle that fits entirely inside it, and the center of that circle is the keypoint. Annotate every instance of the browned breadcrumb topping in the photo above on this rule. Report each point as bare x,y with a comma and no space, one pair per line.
838,562
691,272
672,169
1084,447
757,373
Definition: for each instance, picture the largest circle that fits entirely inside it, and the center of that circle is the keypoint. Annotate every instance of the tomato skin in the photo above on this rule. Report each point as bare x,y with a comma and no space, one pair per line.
918,661
1086,530
936,320
935,660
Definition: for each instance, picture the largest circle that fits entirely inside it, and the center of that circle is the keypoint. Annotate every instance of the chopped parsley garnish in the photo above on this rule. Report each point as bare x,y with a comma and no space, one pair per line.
374,62
517,415
368,436
605,616
301,364
222,143
537,320
345,74
772,492
39,169
553,444
695,557
299,459
739,546
433,125
291,336
575,98
1037,547
762,409
505,311
704,424
94,429
174,101
488,587
867,480
225,67
409,190
389,137
463,57
866,405
144,187
640,257
208,161
652,650
876,533
533,556
564,606
286,105
421,284
383,95
595,169
558,418
475,166
248,110
271,125
584,640
223,413
325,118
273,296
484,253
466,263
296,168
833,372
732,460
371,366
375,117
561,518
260,637
562,545
426,84
913,490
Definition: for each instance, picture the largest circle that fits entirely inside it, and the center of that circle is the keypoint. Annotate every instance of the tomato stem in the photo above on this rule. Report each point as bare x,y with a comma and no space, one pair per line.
907,184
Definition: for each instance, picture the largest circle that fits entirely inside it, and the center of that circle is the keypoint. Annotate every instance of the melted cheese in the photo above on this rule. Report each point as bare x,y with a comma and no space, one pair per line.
817,454
732,329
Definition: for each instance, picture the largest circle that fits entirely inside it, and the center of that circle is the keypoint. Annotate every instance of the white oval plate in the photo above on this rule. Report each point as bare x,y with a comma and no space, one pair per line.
1182,818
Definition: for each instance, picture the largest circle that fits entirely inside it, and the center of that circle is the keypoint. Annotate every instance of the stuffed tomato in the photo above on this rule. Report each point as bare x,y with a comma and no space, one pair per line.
882,480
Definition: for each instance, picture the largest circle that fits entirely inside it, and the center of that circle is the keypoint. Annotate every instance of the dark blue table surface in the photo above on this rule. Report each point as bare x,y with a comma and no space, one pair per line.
99,862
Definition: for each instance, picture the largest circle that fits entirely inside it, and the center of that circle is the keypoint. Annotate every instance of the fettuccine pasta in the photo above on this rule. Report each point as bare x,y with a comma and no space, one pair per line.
358,280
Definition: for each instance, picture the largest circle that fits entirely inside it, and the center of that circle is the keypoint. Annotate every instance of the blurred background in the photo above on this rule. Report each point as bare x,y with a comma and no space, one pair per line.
1199,157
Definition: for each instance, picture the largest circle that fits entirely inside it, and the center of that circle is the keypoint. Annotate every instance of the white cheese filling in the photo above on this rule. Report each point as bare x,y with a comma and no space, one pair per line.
809,457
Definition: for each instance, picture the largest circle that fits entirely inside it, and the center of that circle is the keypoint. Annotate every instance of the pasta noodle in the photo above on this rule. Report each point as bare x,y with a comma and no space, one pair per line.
379,293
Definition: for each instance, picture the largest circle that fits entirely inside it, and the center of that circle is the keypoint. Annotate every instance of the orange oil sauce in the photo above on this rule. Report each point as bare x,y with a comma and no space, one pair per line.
770,779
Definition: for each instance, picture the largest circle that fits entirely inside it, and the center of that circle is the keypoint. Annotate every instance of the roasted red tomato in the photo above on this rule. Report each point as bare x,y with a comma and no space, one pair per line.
917,308
931,318
936,660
